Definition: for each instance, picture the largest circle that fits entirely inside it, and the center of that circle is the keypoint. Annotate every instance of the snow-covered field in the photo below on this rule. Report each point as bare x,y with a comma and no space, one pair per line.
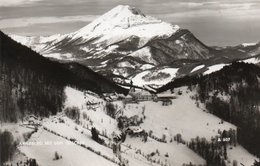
79,132
79,99
183,117
153,77
253,60
96,112
197,68
177,153
17,130
241,155
72,155
70,129
144,54
214,68
20,133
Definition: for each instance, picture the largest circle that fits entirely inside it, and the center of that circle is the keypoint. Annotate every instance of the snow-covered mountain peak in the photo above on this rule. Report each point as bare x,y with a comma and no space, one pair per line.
126,9
121,16
123,22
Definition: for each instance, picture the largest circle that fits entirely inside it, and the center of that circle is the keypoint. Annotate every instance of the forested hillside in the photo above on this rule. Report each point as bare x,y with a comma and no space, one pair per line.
30,83
103,84
232,94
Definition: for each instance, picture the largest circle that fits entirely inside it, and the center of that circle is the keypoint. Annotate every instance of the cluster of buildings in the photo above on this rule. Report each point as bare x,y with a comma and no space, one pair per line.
143,95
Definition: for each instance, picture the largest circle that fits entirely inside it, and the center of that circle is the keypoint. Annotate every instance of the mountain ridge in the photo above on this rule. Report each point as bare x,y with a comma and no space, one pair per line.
125,42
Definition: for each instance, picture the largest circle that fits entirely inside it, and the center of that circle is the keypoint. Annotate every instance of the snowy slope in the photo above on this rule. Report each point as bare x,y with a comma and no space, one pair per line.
81,134
155,77
122,22
241,155
144,54
178,153
183,117
16,130
71,154
78,98
253,60
214,68
217,67
49,143
248,44
96,113
119,24
37,43
105,124
197,68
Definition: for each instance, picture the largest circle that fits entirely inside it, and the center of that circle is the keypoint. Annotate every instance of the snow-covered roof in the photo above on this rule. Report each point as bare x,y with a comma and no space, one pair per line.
140,93
113,97
31,117
129,96
135,129
166,95
149,88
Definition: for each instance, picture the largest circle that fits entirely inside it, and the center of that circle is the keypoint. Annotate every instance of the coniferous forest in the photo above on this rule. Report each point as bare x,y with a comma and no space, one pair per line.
32,84
241,83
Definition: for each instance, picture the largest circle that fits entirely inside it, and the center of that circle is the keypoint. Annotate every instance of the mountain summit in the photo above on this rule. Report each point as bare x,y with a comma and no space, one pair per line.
125,21
118,24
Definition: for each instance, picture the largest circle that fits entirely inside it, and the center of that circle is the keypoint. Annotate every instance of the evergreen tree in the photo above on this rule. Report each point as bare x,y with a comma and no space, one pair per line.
94,134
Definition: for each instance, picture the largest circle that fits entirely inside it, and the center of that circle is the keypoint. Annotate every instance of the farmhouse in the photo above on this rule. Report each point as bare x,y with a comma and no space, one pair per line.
135,131
139,95
31,121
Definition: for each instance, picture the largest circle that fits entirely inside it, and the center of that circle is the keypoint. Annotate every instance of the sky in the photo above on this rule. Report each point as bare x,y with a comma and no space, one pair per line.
214,22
